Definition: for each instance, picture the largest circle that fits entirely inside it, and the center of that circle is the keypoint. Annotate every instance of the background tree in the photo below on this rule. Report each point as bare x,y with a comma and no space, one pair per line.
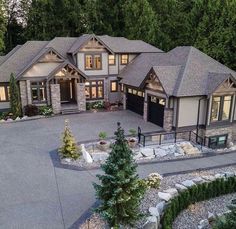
119,192
14,97
2,27
140,21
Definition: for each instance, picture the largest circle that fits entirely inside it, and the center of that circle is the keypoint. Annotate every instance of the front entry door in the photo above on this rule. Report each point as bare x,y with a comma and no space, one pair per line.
156,108
65,91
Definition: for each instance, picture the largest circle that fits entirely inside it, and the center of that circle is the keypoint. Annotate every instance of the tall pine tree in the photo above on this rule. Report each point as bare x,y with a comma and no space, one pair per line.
2,26
14,97
119,191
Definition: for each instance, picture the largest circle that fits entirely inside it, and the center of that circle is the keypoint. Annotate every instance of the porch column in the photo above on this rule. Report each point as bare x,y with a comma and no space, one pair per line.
23,94
56,98
29,96
124,100
106,89
168,119
48,94
81,98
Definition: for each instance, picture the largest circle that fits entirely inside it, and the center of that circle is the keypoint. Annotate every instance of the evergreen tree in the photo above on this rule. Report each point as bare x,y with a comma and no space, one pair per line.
120,191
139,20
2,26
14,97
69,148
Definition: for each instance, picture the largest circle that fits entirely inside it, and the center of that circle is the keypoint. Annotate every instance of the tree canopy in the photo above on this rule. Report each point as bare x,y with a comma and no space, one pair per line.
206,24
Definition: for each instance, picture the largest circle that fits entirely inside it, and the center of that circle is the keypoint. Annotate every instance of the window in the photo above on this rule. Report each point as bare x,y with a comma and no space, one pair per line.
111,59
114,86
93,62
94,89
38,90
124,59
4,93
221,107
135,92
218,141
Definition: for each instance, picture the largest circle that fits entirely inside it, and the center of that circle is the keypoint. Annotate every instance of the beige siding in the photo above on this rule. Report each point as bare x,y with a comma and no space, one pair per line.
41,69
103,71
113,69
4,105
188,111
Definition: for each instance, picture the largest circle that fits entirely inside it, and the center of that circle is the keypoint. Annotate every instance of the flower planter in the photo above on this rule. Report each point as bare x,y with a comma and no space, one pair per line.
103,145
132,142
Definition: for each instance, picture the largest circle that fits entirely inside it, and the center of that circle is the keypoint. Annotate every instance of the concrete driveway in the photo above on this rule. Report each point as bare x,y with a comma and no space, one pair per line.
34,194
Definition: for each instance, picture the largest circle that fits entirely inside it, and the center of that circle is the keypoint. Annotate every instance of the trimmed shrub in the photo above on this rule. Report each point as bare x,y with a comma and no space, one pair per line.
31,110
45,110
195,194
153,180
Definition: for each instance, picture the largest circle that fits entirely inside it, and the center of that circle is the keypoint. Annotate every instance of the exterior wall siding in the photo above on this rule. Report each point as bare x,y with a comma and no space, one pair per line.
188,111
81,64
41,69
113,69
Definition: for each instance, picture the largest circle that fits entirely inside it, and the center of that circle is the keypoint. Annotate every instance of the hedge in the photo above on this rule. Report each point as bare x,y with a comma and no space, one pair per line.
195,194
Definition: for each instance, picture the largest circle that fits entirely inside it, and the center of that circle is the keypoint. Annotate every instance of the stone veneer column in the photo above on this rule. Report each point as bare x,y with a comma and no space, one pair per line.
23,94
48,93
81,98
29,96
124,100
145,111
168,119
56,98
106,89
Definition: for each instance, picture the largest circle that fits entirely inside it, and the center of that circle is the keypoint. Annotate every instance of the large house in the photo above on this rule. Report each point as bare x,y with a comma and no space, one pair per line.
183,89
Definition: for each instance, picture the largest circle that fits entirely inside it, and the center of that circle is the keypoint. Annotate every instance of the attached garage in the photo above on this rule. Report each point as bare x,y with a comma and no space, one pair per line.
135,100
156,108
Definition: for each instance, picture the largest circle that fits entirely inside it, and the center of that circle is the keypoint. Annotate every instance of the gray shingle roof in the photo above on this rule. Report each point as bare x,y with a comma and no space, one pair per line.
124,45
116,44
192,79
20,58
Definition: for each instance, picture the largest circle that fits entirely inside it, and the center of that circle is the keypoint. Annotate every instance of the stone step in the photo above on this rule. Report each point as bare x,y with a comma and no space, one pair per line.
70,111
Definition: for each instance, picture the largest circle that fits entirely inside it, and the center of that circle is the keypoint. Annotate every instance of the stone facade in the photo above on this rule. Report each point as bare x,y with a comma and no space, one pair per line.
106,90
145,111
168,119
80,94
23,94
56,98
29,96
124,100
234,131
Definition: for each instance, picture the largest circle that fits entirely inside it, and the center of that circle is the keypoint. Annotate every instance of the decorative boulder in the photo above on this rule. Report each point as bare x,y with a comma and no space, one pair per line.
188,183
161,206
102,156
198,180
172,191
24,117
209,178
151,223
138,156
148,152
9,120
164,196
154,211
160,152
17,119
211,217
229,174
219,175
86,155
180,187
203,224
2,120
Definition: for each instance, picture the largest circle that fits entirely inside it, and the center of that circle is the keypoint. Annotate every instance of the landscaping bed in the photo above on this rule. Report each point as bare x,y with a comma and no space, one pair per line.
152,199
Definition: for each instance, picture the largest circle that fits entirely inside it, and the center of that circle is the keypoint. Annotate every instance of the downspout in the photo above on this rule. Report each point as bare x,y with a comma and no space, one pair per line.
198,115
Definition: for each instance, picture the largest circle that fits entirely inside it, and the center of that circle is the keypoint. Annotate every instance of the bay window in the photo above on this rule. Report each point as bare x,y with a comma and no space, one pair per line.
38,91
221,107
4,93
94,89
93,62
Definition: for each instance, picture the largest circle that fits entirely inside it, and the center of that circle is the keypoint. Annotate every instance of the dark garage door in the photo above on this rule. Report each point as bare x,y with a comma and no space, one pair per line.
135,101
156,107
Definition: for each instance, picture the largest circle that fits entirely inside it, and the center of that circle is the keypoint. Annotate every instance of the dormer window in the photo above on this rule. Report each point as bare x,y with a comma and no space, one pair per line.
124,59
111,59
93,62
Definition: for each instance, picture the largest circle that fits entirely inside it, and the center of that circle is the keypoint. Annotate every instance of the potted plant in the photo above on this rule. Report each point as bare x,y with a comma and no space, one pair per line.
103,144
132,141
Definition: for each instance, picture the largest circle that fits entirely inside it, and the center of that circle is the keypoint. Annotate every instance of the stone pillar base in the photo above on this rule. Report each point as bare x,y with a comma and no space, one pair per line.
145,112
168,119
81,98
56,98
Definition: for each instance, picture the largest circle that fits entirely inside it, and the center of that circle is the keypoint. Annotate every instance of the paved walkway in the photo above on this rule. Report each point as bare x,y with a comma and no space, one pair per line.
35,194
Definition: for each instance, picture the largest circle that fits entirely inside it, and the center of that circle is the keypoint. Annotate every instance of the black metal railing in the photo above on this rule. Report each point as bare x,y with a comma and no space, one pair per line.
160,137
